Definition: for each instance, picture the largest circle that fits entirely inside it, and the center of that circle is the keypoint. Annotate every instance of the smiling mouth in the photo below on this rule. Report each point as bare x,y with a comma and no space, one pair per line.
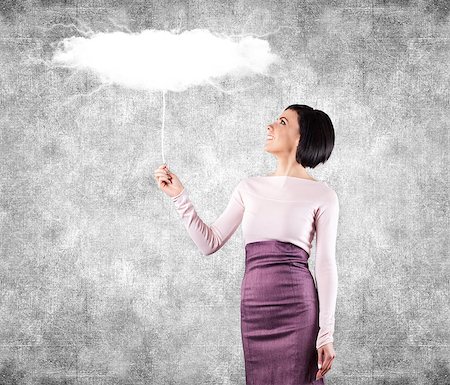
270,137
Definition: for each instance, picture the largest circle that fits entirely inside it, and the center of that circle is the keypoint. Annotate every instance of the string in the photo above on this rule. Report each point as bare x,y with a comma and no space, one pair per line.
163,119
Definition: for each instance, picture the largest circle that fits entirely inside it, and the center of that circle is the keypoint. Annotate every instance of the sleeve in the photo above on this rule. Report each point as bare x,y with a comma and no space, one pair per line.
209,239
325,269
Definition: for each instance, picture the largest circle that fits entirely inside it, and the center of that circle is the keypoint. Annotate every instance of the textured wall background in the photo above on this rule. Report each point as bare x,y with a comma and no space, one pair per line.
100,283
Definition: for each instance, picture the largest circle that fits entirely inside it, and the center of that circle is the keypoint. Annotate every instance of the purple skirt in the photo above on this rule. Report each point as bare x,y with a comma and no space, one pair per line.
279,315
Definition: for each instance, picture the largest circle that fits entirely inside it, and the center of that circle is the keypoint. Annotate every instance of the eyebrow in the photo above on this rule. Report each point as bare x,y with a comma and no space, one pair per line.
282,117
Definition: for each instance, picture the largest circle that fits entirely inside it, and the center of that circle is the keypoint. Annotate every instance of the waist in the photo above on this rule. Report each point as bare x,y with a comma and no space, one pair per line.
275,251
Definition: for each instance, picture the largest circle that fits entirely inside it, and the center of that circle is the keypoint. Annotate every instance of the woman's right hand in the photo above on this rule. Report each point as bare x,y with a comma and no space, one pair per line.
168,181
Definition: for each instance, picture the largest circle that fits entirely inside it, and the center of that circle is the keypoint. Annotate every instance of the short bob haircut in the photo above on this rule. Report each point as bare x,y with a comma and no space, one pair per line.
316,135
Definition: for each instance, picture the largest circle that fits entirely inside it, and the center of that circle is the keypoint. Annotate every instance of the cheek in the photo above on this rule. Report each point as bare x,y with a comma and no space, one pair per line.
293,136
284,136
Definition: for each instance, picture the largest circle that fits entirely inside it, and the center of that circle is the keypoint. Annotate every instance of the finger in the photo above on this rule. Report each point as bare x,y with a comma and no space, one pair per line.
162,174
164,179
164,171
326,364
320,359
322,371
162,183
330,365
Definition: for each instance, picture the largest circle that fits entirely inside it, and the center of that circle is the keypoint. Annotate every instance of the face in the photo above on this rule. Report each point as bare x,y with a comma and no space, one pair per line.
283,135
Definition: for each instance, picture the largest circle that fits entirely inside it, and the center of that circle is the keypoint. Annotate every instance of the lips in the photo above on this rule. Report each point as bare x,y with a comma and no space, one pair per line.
270,137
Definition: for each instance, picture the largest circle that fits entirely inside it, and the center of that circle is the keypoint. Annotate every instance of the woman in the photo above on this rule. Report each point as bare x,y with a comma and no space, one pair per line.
287,322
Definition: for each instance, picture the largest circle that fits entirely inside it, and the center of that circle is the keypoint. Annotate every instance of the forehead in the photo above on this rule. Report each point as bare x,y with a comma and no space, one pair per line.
289,115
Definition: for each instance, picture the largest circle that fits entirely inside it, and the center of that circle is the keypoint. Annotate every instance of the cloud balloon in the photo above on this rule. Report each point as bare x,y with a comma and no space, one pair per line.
158,60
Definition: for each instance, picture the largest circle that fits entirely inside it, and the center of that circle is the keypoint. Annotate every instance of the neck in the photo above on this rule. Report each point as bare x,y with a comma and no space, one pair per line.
289,168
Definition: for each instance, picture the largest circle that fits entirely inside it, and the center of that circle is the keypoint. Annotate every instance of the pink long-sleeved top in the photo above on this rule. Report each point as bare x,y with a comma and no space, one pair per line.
285,208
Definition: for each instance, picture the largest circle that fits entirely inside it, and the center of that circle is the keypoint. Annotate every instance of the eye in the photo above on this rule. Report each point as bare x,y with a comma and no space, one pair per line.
282,121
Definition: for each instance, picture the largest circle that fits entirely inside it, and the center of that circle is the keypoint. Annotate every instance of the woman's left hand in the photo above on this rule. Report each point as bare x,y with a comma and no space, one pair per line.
326,355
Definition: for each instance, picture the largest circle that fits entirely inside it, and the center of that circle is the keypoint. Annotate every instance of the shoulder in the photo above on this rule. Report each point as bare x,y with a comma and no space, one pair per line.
329,194
328,202
249,184
244,182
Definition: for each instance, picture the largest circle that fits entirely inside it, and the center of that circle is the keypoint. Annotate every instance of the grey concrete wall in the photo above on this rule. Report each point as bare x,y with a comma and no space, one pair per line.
100,283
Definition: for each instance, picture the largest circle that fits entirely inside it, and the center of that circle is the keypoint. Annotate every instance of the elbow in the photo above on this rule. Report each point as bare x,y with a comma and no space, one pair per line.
210,248
210,251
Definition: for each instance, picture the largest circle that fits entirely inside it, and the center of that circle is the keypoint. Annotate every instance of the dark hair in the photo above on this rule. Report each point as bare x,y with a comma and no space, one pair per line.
316,135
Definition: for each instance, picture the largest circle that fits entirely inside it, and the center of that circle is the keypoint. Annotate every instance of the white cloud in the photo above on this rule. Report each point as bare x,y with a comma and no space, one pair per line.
162,60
